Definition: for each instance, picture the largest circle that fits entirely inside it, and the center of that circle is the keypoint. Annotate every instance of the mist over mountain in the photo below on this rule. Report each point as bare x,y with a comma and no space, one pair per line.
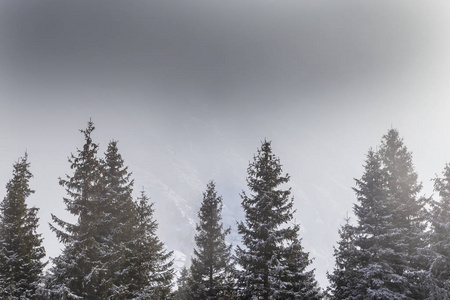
175,176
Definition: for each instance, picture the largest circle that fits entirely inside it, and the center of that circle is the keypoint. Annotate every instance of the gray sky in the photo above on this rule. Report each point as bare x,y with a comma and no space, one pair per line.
190,88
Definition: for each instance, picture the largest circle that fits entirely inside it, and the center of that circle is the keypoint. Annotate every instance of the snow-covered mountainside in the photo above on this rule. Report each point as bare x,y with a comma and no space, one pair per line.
177,194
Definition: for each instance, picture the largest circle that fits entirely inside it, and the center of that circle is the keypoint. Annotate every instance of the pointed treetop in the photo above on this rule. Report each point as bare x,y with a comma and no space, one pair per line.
88,130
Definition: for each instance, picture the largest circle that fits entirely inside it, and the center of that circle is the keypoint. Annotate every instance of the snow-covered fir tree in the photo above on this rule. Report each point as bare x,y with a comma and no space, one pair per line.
151,264
211,266
265,259
118,223
406,241
79,272
373,238
440,238
391,258
343,279
21,250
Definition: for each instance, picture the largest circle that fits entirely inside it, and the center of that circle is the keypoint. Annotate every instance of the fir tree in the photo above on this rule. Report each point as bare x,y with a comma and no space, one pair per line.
117,232
343,280
266,232
21,250
405,236
79,272
390,254
138,264
211,267
151,266
440,238
374,238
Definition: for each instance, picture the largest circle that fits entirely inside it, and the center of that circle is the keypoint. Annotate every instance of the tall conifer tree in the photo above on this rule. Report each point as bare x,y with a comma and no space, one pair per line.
405,236
440,238
117,231
151,264
266,232
21,250
390,238
138,264
374,233
79,272
211,267
343,280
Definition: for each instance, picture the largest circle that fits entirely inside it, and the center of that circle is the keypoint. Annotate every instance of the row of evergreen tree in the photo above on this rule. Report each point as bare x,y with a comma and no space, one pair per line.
398,248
